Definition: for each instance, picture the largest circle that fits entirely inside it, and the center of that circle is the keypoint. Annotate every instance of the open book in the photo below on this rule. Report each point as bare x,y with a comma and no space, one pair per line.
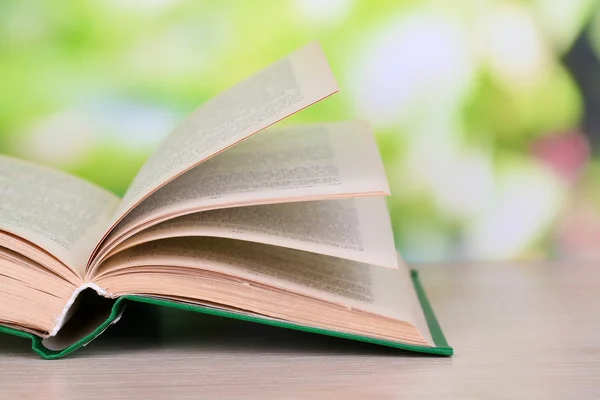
288,228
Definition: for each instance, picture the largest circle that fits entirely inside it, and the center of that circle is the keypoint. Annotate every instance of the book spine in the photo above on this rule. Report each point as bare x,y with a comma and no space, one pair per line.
69,308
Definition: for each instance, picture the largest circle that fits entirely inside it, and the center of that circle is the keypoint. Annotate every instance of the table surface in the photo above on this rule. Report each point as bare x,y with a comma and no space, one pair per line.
519,331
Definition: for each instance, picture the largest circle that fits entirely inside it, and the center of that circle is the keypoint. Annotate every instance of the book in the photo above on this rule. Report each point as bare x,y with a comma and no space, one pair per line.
287,228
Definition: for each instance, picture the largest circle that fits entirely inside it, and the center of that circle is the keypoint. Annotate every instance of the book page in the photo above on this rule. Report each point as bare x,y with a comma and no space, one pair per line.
309,162
382,291
60,213
354,229
280,90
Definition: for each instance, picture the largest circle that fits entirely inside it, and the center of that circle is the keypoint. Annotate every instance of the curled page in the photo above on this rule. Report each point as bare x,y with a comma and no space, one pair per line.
353,229
280,90
281,165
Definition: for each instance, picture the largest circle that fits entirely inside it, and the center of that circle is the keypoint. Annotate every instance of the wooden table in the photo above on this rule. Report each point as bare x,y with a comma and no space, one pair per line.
519,331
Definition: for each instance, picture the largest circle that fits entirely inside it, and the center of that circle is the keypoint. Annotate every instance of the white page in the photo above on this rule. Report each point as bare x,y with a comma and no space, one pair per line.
280,165
60,213
354,229
284,88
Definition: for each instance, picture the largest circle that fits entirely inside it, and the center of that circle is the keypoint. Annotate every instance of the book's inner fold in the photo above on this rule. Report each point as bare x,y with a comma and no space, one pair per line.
287,284
85,315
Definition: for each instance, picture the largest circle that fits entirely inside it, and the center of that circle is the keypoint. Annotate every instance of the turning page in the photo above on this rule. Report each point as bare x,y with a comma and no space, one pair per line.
354,229
280,90
310,162
62,214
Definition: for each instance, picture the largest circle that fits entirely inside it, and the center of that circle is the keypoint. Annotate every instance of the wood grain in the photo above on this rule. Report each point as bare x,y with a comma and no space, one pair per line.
519,330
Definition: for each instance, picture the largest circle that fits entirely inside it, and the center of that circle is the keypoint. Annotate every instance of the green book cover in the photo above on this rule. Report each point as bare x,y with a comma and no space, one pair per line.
441,345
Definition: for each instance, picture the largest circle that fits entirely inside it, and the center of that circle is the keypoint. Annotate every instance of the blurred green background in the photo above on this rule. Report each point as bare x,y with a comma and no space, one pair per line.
485,111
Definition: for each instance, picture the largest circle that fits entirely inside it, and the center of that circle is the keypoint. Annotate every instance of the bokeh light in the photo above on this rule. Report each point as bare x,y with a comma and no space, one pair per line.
479,118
